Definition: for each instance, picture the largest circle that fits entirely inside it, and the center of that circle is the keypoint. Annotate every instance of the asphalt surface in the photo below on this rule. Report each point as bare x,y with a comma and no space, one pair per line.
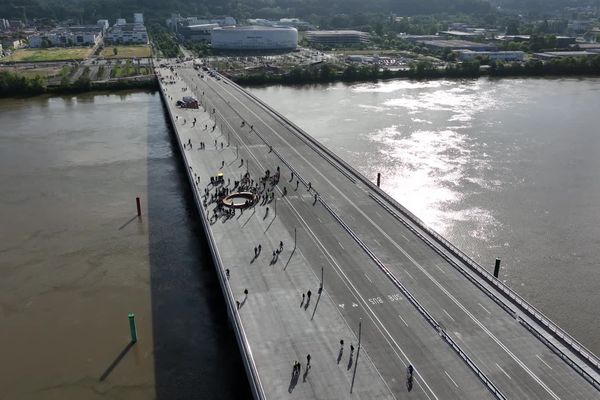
363,251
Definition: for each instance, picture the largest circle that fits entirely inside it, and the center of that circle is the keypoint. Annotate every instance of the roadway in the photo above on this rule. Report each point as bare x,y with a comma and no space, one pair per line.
365,251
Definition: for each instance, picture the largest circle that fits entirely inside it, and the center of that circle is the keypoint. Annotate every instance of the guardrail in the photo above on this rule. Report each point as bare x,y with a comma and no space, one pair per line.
428,317
256,386
586,355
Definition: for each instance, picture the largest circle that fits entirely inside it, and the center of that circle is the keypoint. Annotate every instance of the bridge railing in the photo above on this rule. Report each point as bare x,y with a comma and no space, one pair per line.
585,354
428,317
256,385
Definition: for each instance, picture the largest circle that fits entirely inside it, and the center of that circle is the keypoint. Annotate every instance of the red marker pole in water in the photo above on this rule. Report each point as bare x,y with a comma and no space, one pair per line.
139,207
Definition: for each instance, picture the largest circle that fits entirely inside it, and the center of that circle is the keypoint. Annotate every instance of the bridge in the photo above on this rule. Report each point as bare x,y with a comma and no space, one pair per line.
387,291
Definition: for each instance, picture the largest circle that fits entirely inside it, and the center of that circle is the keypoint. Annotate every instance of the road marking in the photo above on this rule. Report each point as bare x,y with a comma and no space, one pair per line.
438,267
369,279
408,273
378,244
444,310
371,314
403,320
483,327
340,243
319,219
486,310
449,377
545,363
503,371
341,305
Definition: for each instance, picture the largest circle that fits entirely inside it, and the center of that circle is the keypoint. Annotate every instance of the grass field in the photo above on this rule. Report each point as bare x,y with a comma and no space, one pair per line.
51,54
126,52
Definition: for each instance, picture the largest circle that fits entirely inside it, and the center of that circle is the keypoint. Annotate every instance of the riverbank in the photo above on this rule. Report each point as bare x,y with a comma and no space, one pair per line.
13,85
325,73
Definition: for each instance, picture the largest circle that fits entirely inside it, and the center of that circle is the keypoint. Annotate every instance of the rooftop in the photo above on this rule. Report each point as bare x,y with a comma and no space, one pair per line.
255,28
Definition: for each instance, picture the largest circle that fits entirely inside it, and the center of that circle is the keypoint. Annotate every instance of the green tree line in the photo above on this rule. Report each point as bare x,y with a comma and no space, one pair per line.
569,66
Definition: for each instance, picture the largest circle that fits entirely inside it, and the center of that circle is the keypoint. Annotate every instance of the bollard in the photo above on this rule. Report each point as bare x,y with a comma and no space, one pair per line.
497,268
132,328
139,207
378,178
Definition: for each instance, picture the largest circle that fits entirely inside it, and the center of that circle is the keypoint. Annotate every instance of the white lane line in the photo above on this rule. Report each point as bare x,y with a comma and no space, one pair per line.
378,244
449,377
369,311
408,273
450,316
406,254
545,363
403,320
377,212
486,310
340,243
503,371
443,289
319,219
438,267
369,279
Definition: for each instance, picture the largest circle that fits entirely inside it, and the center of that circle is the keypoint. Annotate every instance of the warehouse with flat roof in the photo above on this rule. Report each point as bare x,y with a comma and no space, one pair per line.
337,38
457,45
254,38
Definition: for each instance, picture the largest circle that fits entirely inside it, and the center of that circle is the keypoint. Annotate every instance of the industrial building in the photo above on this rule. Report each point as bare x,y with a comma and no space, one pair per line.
562,54
128,33
337,38
177,21
457,45
197,33
465,55
70,36
293,22
254,38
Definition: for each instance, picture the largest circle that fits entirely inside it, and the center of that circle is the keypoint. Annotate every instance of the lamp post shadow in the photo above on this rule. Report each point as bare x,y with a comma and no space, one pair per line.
116,361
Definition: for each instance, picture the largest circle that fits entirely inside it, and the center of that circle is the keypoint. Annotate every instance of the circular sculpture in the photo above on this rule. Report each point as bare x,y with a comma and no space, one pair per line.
239,200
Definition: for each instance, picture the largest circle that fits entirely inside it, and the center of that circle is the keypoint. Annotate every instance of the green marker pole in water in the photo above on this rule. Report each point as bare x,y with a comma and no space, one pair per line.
132,327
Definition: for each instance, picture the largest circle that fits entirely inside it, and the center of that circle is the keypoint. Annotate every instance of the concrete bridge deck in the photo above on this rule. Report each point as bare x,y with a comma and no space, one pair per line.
415,301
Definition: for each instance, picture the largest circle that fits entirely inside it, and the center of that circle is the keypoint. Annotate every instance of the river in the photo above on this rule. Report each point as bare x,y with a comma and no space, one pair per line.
502,168
75,259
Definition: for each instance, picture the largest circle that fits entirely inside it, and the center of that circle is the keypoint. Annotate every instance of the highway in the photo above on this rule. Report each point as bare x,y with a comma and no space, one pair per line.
382,275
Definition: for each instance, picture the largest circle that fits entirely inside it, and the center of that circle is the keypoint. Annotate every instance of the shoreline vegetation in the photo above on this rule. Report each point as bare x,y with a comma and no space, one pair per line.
567,67
14,85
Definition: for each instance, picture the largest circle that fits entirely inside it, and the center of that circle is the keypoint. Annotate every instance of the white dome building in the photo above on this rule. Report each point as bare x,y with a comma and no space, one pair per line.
254,38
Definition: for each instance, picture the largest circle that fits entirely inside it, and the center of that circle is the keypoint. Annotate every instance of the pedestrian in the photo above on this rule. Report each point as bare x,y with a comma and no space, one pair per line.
246,292
221,145
342,342
255,251
307,360
227,273
308,294
259,248
237,303
280,245
302,298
